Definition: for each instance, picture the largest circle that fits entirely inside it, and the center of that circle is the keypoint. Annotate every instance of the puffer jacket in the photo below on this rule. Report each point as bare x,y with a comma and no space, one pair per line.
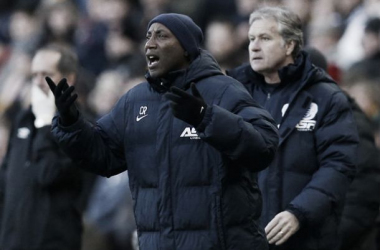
315,161
43,191
193,188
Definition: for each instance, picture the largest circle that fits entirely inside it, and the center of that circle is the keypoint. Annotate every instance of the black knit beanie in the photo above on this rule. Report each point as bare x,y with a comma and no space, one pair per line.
189,34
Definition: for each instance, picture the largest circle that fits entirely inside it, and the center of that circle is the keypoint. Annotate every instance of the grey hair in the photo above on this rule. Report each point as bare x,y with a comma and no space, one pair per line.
289,24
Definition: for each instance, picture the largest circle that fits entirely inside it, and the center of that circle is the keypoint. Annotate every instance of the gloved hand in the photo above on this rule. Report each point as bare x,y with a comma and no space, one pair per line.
64,100
189,108
43,106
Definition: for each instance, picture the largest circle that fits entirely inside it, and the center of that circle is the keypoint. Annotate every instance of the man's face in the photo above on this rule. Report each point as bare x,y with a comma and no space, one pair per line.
163,51
44,64
267,49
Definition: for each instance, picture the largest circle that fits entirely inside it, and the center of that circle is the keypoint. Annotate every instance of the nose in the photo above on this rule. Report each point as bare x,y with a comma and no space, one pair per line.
39,81
150,43
254,45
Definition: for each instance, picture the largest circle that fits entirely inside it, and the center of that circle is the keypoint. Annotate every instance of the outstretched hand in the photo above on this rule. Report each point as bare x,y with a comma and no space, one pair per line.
189,108
64,100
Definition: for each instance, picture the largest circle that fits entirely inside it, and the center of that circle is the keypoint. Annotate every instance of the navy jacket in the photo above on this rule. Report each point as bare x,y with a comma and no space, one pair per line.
43,191
192,188
314,163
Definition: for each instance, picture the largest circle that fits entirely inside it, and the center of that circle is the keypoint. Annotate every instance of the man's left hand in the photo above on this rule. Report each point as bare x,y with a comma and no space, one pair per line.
283,225
187,107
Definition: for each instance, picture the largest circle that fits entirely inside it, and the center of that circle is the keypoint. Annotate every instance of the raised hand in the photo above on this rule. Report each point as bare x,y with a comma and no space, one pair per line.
189,108
64,101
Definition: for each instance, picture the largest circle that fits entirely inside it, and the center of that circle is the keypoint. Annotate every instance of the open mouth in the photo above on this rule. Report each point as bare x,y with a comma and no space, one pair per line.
152,60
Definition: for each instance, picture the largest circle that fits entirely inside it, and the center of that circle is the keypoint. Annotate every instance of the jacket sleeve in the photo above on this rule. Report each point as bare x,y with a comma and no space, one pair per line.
336,140
96,148
240,129
52,166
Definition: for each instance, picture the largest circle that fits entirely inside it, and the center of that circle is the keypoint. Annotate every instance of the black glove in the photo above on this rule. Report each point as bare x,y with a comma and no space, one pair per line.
187,107
64,101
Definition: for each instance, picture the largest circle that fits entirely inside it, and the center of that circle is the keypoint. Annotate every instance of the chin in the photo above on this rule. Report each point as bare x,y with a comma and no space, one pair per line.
257,68
154,74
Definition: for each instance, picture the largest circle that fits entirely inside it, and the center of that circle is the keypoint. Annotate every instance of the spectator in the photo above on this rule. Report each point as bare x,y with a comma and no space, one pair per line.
371,39
60,20
358,224
220,43
43,189
361,82
357,229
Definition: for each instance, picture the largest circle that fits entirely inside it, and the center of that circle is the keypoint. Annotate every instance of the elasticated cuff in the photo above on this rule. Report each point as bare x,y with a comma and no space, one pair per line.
298,214
206,120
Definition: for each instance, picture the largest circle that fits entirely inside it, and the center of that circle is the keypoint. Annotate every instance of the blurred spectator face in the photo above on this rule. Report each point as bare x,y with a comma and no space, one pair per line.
61,19
371,37
322,10
108,89
366,95
163,51
246,7
362,92
324,38
301,7
22,26
94,9
268,51
118,45
220,39
111,12
45,63
371,43
114,10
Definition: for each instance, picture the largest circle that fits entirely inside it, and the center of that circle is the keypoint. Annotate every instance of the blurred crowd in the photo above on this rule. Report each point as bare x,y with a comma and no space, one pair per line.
109,36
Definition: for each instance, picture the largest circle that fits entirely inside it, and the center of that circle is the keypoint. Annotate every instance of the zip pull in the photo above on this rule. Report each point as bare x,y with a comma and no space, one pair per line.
268,96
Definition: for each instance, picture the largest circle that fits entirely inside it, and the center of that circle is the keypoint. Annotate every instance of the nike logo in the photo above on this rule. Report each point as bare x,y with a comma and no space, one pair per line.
141,117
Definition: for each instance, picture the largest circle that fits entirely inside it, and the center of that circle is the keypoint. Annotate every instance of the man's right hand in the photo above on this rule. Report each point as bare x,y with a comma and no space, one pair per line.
281,227
64,100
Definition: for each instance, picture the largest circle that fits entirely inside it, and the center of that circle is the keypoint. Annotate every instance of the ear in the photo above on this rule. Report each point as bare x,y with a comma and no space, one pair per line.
290,47
71,78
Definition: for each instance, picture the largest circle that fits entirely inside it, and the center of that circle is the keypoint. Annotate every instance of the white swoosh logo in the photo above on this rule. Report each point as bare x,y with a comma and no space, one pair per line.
141,117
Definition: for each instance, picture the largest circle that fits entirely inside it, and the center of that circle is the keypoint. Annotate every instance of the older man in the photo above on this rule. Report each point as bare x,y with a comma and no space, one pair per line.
304,187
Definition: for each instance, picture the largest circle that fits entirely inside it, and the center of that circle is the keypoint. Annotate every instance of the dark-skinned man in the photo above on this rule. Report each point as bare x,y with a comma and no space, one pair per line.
191,139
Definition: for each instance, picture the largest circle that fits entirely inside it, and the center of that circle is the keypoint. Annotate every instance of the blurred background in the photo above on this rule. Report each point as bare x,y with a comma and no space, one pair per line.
109,36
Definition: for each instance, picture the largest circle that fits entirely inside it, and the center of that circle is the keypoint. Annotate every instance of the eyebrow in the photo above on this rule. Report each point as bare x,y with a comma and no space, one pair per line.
260,34
156,31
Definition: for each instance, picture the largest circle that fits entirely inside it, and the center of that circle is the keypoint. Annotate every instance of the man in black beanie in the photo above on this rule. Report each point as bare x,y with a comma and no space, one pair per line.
191,139
188,34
